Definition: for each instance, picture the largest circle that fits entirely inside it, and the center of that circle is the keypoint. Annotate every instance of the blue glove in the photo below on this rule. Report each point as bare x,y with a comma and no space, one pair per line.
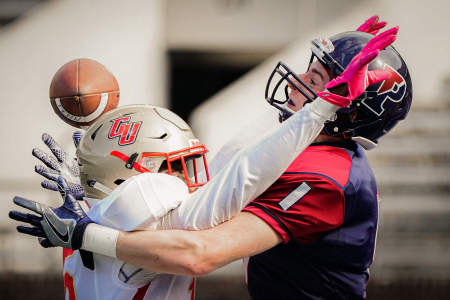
60,164
63,226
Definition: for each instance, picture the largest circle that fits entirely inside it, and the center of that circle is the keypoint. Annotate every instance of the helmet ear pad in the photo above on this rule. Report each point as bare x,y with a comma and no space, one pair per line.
345,118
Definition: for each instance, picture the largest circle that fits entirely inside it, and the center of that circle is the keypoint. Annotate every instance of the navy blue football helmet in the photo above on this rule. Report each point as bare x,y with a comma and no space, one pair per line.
378,109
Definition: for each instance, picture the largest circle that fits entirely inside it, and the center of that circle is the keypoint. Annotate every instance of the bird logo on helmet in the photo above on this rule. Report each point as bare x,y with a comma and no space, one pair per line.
378,109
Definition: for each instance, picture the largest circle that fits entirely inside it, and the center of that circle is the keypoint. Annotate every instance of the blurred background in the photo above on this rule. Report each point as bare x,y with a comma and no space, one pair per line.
208,60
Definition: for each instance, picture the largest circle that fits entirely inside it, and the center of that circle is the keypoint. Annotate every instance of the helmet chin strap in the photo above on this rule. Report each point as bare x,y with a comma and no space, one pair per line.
365,143
286,113
99,186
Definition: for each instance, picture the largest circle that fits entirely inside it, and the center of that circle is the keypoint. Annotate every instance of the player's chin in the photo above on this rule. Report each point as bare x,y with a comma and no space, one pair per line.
193,189
294,107
296,104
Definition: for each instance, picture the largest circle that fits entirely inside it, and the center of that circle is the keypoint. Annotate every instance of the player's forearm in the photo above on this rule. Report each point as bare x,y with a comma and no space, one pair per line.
197,252
184,252
174,251
165,251
251,171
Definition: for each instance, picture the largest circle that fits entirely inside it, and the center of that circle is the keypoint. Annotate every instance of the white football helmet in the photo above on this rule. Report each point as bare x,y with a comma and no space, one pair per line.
134,139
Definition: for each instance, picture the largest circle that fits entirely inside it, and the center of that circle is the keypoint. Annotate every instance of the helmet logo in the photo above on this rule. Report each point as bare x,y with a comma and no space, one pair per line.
125,130
392,90
194,142
323,45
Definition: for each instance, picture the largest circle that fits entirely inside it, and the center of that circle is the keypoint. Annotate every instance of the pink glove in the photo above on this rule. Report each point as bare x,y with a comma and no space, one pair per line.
356,78
372,25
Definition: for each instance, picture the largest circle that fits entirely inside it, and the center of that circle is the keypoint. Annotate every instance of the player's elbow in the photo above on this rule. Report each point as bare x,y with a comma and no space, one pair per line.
200,261
196,268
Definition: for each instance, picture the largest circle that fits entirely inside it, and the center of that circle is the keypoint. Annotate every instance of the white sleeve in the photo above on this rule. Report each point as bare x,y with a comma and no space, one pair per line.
251,171
139,201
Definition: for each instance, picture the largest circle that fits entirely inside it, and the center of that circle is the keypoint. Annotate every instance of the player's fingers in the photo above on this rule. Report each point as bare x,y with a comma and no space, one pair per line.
366,59
49,185
54,147
382,40
62,184
76,137
24,217
69,198
67,193
48,160
45,242
49,141
51,176
376,76
369,22
385,42
76,190
34,231
376,27
41,170
28,204
46,172
333,83
64,189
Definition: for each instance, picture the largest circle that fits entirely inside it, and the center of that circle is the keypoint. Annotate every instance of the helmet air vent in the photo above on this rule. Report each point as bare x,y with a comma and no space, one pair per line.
119,181
94,134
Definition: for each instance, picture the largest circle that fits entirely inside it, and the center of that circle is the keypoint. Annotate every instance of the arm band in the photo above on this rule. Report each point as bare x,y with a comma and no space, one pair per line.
100,239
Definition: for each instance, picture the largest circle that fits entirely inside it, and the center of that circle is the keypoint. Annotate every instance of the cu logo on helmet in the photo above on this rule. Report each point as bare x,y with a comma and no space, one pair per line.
391,91
125,130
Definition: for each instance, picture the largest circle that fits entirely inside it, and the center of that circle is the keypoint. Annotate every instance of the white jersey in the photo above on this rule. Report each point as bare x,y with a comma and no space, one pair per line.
112,278
141,204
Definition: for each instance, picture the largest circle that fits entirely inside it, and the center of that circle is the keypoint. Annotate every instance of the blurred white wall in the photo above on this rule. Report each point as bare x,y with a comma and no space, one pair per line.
231,25
128,39
422,42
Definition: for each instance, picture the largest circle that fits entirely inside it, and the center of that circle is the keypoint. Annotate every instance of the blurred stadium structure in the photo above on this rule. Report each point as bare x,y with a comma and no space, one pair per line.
179,54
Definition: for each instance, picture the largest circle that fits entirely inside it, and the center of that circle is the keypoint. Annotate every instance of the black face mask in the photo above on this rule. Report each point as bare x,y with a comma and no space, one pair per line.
277,89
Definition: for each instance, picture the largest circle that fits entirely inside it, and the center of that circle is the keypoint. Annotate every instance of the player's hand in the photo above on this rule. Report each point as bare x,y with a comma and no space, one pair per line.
342,90
63,226
372,25
59,164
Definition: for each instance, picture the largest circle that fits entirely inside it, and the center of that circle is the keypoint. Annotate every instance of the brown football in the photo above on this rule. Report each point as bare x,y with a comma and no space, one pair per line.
82,90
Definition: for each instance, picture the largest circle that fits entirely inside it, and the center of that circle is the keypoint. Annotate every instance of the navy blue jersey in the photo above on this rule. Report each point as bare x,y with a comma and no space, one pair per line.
325,208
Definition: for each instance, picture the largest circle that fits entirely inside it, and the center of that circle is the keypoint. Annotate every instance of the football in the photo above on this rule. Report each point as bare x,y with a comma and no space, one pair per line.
82,90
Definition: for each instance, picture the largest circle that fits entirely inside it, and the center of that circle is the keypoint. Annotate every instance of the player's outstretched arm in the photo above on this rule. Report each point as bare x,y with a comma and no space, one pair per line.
250,171
197,252
257,166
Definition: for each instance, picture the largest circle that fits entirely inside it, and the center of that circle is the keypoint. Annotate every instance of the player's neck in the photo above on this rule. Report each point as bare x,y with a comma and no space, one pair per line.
321,138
